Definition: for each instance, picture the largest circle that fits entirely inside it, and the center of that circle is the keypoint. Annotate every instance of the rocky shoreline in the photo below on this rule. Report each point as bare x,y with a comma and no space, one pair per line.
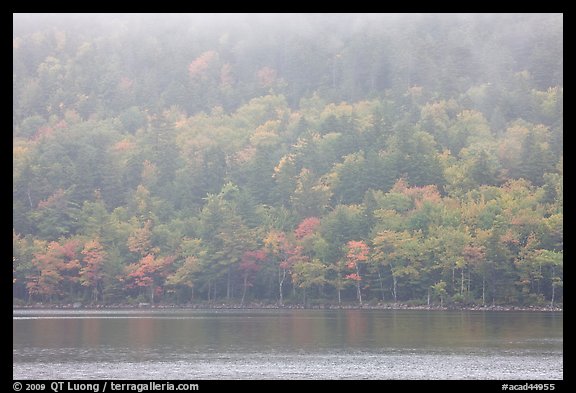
262,306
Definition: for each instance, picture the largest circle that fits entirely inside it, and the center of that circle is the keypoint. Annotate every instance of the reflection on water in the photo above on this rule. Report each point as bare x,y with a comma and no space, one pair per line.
287,344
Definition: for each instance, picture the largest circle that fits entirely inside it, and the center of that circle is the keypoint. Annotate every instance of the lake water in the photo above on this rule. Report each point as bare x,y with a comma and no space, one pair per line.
286,344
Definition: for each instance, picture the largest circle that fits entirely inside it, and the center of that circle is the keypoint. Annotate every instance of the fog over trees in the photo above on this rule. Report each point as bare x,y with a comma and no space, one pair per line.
288,158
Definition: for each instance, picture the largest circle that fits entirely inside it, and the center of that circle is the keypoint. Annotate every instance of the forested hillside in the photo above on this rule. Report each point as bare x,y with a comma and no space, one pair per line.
288,159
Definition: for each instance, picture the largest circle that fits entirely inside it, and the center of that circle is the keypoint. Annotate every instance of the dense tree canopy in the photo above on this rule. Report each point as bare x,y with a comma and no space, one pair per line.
288,159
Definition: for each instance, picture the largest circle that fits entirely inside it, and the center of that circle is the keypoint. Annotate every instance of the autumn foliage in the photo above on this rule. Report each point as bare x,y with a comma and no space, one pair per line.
202,164
199,67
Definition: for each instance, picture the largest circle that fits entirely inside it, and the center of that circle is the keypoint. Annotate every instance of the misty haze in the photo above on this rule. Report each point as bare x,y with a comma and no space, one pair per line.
288,196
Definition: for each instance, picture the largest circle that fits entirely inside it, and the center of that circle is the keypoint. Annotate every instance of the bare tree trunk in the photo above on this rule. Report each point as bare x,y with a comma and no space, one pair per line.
358,291
553,287
339,287
281,284
483,289
30,199
394,282
468,286
244,290
381,284
540,275
228,285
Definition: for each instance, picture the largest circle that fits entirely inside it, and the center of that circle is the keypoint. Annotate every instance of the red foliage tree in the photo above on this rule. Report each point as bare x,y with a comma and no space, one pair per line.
249,266
418,195
56,266
199,67
140,240
358,252
46,283
307,227
281,250
147,273
70,265
91,273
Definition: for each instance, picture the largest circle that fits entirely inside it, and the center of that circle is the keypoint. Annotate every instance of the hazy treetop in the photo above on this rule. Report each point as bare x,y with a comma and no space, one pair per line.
300,23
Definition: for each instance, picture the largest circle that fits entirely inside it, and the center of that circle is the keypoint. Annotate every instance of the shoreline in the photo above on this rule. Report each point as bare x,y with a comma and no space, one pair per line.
260,306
